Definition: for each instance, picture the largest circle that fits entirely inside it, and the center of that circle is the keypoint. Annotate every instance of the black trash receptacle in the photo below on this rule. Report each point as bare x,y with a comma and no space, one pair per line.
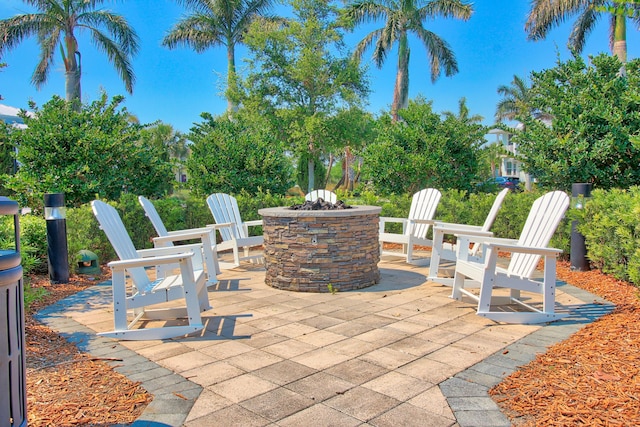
13,393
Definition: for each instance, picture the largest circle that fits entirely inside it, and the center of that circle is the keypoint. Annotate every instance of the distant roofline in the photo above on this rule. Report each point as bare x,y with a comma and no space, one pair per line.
9,114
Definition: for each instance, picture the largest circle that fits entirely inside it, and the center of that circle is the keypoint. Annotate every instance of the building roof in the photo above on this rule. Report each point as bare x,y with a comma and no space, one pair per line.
10,115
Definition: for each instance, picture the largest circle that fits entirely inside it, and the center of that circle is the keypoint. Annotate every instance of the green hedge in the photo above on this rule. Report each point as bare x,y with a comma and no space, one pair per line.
609,223
611,229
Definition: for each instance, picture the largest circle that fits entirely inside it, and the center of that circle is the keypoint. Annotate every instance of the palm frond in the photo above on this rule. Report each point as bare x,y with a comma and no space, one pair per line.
362,12
582,28
116,56
116,25
446,9
440,55
366,42
547,14
197,32
48,47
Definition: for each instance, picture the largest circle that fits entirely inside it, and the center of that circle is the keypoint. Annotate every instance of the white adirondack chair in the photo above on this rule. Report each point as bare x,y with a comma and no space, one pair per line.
443,250
189,285
543,220
326,195
415,227
234,232
167,238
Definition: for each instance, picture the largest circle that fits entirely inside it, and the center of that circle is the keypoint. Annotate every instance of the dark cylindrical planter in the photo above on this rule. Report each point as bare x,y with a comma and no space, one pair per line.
13,389
58,255
579,261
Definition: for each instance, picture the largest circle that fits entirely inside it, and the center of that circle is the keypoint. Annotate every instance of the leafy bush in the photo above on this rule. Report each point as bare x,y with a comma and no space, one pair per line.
33,248
235,156
93,151
612,232
596,114
422,151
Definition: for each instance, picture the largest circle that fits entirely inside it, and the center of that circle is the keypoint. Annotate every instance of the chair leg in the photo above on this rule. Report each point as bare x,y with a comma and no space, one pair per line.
458,285
434,263
193,293
210,255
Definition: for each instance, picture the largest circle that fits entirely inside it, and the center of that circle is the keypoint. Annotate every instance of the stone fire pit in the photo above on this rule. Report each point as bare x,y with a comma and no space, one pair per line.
308,250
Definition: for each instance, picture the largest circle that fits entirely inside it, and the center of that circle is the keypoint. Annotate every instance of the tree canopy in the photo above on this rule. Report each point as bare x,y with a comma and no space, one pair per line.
596,115
234,156
402,18
94,151
301,76
423,150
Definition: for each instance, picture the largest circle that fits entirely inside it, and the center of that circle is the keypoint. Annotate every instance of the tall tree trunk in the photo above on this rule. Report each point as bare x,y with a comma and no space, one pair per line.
349,172
312,170
72,85
620,41
401,89
328,176
73,71
232,80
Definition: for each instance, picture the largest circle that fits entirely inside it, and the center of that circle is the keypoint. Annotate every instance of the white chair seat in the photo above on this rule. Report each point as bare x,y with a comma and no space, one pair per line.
131,306
443,250
233,231
168,238
414,228
543,219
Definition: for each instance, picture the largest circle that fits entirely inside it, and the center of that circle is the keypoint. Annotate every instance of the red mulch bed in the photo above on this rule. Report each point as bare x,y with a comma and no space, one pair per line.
589,379
66,387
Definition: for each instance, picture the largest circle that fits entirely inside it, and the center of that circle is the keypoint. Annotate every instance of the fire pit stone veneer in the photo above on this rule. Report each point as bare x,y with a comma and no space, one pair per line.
321,250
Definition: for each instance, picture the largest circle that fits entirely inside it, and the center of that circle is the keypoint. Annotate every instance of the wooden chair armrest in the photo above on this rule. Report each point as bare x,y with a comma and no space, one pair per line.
149,262
459,229
525,249
169,250
196,233
221,225
200,230
392,219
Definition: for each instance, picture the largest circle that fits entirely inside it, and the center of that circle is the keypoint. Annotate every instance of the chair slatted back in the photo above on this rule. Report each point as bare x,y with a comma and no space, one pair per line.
543,220
491,216
326,195
224,209
151,213
423,206
112,225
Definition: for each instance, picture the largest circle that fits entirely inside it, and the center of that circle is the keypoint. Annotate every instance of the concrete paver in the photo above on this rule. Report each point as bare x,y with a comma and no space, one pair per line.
397,353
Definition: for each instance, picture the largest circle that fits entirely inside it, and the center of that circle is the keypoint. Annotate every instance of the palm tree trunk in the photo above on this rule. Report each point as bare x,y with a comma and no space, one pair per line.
401,90
620,38
232,84
72,70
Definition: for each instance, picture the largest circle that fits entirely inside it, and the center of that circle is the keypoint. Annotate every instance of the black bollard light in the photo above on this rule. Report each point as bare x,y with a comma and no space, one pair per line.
55,214
579,194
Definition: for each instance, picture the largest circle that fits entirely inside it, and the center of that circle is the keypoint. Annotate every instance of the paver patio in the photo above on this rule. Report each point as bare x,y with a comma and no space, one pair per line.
398,353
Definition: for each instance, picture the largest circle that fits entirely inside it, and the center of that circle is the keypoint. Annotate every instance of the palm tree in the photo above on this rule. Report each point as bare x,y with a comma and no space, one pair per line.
546,14
401,18
217,23
463,113
60,20
517,101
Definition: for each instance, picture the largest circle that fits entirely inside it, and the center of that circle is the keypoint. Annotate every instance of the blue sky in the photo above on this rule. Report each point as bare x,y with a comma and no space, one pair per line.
176,86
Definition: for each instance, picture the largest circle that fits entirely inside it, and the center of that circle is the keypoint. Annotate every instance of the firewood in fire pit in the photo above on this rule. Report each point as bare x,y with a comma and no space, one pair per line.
320,205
